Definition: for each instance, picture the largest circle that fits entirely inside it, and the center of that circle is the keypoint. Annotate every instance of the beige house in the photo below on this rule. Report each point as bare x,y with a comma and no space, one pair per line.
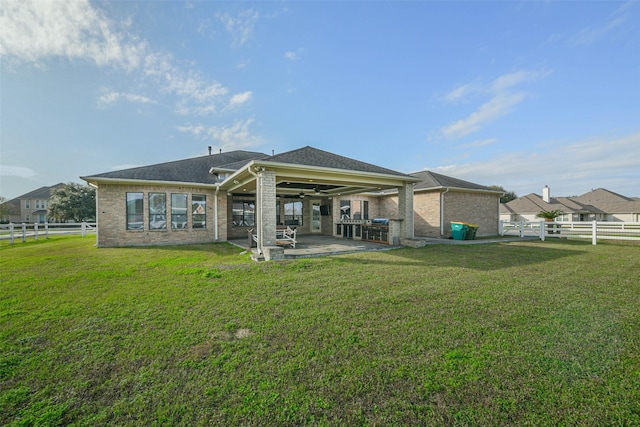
30,207
597,205
233,195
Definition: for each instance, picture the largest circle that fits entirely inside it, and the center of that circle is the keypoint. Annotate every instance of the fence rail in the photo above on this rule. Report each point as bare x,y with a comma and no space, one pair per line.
594,230
23,231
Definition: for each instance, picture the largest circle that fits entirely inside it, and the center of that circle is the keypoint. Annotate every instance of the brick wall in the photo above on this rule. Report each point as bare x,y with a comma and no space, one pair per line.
475,208
426,206
111,217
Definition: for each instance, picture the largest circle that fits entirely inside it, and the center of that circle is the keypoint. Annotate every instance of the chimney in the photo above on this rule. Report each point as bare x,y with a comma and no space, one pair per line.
209,150
546,196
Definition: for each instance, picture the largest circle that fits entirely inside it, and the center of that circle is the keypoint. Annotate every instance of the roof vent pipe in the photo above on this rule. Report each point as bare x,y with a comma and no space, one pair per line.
546,194
209,150
221,151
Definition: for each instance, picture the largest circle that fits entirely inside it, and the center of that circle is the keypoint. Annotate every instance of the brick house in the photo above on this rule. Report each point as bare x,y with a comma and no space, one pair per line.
225,196
439,200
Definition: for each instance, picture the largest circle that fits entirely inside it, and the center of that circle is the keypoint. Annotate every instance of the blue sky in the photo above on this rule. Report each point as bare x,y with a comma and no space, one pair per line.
517,94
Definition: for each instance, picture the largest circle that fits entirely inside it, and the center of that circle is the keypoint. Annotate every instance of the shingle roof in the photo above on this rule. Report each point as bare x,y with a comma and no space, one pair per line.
429,180
610,202
533,203
40,193
310,156
189,170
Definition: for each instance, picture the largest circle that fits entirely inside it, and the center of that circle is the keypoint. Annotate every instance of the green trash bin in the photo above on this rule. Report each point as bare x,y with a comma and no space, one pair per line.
459,230
471,231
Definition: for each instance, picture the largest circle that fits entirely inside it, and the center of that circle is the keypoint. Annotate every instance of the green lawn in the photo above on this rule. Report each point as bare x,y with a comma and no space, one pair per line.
527,333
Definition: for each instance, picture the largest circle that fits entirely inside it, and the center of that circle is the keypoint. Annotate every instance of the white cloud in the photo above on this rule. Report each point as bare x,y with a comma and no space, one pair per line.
34,30
292,56
592,34
240,27
504,97
571,168
461,93
16,171
229,138
239,99
110,97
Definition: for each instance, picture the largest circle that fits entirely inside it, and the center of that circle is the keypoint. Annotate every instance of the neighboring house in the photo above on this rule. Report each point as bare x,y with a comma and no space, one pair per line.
227,196
616,206
598,205
30,207
439,200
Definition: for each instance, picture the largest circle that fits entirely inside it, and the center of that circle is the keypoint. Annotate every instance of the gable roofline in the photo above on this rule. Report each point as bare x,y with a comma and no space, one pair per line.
435,181
315,157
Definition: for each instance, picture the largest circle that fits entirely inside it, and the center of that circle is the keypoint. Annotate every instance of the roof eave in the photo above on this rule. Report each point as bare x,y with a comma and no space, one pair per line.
128,181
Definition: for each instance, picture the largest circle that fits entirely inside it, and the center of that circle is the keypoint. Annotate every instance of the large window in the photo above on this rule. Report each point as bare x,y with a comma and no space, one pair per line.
157,211
178,211
244,214
135,211
293,213
199,211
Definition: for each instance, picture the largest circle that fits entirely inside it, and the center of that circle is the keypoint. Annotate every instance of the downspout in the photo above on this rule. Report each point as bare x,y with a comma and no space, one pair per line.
442,211
215,212
258,203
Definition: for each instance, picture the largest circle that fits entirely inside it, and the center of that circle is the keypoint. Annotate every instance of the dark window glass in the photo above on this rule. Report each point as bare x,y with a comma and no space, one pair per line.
135,211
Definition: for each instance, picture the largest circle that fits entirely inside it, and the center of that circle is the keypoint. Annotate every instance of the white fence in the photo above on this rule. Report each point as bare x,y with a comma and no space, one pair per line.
23,231
594,230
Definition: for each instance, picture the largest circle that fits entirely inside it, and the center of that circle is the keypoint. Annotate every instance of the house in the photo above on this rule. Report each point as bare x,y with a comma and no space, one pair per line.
616,206
439,200
224,196
596,205
30,207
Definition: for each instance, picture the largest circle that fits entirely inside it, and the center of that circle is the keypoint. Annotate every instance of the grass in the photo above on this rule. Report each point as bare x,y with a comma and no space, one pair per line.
526,333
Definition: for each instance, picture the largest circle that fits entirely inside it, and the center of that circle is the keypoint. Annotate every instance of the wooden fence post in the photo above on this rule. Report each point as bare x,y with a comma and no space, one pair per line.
84,229
594,233
11,231
35,230
542,230
521,228
46,230
24,232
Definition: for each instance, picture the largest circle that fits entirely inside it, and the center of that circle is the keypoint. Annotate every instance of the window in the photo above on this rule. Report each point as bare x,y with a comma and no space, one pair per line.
199,211
293,213
135,211
157,211
365,209
244,214
178,211
27,204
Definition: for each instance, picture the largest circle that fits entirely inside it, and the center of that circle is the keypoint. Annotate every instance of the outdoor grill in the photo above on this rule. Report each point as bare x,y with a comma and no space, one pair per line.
377,231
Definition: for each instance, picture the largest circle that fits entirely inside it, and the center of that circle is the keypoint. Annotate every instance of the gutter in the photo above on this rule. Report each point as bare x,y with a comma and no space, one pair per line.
215,213
446,190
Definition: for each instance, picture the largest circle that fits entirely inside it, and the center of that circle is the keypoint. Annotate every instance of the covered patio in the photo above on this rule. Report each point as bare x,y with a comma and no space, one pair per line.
312,245
323,181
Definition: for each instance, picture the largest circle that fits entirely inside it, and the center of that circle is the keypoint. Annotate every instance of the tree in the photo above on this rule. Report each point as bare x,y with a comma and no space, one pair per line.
507,196
550,215
73,202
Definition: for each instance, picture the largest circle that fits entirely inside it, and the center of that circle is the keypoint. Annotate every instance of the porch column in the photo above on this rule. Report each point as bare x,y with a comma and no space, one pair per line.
405,210
266,208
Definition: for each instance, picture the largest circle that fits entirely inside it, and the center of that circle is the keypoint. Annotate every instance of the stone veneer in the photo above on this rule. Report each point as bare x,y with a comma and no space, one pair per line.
112,212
